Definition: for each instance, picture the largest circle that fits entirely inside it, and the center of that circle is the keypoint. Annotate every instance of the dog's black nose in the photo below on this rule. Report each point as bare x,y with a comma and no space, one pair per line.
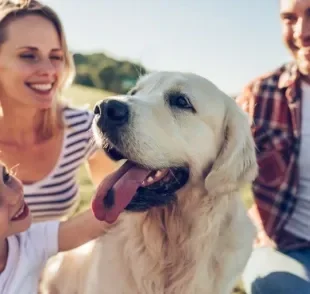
112,112
117,112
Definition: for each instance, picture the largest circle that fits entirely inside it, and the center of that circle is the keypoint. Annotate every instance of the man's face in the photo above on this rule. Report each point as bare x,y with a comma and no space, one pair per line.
295,21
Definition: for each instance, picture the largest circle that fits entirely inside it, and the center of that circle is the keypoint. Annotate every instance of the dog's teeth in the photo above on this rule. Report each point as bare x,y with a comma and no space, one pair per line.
150,180
158,174
155,177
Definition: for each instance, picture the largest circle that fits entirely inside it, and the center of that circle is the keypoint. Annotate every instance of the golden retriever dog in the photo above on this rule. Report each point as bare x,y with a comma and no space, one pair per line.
179,223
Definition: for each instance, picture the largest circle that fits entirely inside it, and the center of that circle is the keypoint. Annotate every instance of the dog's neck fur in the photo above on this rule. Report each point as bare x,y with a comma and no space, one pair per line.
166,234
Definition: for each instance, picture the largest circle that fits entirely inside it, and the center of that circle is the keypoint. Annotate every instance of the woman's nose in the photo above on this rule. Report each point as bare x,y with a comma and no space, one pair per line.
46,68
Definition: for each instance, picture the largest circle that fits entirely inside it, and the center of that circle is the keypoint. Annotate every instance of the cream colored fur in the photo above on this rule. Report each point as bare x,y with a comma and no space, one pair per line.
198,245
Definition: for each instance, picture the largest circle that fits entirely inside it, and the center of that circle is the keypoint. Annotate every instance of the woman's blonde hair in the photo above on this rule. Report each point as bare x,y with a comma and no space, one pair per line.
51,119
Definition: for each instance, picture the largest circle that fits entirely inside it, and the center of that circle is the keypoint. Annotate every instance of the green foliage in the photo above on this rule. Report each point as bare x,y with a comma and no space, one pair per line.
100,71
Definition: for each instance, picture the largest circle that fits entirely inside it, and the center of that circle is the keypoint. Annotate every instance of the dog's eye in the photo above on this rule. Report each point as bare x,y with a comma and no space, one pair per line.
132,92
180,100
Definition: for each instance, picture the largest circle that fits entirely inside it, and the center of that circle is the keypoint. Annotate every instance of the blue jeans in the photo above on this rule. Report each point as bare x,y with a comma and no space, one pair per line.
269,271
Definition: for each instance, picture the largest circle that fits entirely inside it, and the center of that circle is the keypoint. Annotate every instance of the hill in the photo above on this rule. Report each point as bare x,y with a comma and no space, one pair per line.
98,70
101,71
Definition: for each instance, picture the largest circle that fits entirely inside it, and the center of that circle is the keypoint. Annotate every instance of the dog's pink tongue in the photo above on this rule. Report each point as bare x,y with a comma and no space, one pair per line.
116,191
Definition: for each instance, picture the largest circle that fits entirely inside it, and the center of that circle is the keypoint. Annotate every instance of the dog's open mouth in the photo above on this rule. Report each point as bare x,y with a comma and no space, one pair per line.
134,187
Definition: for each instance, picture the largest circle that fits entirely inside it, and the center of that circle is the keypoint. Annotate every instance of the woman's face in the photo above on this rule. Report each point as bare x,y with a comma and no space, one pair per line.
31,63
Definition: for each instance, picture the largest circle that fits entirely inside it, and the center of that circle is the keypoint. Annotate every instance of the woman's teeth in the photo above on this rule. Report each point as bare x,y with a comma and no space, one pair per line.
41,87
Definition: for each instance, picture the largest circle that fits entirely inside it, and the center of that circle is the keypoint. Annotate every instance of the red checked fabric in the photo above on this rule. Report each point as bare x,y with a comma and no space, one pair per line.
273,102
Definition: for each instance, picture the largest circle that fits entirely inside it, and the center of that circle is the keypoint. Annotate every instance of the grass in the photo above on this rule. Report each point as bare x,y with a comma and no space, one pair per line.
82,96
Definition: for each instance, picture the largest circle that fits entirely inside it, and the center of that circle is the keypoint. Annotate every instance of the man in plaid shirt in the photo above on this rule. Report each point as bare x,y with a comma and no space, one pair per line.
279,106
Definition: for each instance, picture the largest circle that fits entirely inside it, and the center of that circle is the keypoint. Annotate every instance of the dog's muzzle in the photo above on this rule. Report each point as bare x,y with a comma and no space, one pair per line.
133,186
111,114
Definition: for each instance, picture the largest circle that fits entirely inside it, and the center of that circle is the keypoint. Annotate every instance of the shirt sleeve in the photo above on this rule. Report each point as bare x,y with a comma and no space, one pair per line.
40,241
252,100
257,100
246,101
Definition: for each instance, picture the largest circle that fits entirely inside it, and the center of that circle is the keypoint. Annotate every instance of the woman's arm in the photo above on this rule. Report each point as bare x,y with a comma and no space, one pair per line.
99,166
80,229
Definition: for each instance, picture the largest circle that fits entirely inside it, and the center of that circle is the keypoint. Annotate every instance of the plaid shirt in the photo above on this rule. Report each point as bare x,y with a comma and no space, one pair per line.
273,102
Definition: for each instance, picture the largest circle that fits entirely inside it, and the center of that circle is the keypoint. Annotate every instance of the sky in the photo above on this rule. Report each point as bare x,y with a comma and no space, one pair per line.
229,42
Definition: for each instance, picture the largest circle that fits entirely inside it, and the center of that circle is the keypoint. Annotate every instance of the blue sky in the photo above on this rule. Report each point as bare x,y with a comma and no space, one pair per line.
229,42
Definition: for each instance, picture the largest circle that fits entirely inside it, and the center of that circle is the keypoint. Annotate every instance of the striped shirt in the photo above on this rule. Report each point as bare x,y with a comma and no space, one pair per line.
56,196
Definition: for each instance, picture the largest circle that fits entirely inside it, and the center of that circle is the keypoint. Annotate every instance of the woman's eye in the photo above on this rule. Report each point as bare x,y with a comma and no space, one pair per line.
60,58
5,175
27,56
180,101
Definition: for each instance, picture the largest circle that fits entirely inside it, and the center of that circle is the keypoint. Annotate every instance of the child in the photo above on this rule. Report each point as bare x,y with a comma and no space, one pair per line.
25,248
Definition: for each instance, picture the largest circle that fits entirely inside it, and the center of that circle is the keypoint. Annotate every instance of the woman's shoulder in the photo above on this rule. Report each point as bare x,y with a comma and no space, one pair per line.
74,116
78,123
72,111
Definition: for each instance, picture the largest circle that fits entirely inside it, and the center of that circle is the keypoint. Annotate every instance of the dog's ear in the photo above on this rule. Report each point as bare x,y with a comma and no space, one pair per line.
236,162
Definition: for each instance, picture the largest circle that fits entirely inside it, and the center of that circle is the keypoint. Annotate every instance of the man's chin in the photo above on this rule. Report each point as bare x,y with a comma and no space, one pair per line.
304,69
305,74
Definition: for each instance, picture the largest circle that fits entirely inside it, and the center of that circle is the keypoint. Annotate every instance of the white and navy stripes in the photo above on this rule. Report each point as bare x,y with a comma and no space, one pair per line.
55,196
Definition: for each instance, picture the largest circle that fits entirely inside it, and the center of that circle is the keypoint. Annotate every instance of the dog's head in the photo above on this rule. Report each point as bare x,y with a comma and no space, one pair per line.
172,128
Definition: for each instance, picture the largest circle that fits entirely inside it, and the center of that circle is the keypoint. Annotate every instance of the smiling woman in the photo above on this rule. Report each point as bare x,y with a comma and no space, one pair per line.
44,140
31,65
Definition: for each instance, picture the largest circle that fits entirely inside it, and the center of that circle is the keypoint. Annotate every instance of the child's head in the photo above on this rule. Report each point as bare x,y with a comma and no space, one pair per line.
14,213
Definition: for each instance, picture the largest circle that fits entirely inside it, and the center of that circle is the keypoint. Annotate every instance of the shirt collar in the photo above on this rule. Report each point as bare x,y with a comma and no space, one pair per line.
290,82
